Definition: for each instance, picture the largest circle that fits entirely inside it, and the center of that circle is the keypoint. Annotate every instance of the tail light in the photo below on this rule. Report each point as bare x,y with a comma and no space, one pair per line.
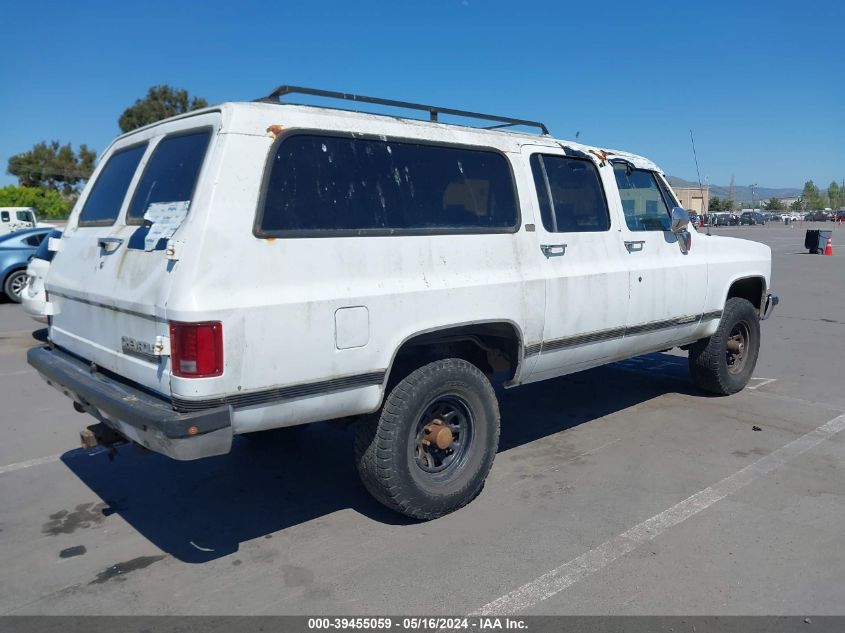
196,349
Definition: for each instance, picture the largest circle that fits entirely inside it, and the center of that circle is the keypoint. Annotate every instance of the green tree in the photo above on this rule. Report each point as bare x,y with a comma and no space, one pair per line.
774,204
728,205
836,195
48,203
53,166
716,205
812,197
798,205
160,103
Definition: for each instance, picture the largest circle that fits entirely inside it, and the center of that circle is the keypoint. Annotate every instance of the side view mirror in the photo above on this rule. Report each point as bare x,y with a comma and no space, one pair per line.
680,219
680,224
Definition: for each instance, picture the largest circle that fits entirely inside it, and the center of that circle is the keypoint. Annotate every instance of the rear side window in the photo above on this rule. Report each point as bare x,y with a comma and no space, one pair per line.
171,173
106,197
4,216
44,251
329,185
571,195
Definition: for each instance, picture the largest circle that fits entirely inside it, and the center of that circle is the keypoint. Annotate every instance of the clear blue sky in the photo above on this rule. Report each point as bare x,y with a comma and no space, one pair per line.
762,84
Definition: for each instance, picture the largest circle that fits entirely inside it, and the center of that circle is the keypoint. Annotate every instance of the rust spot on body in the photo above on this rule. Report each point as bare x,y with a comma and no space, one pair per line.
274,131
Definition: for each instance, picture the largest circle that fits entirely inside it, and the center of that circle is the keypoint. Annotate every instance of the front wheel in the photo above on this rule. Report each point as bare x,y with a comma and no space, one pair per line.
431,448
15,284
724,362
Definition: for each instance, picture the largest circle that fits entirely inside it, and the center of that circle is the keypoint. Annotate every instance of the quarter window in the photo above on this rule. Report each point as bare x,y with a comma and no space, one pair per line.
322,184
106,197
4,216
642,200
571,196
171,174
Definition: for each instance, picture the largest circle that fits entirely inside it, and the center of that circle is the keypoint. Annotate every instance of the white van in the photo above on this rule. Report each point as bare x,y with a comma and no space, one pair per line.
16,218
251,266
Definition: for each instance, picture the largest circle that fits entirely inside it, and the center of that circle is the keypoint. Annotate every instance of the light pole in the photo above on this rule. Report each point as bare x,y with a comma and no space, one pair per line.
752,197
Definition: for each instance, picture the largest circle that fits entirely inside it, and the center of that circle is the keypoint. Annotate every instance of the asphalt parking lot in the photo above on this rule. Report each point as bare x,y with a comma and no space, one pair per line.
622,490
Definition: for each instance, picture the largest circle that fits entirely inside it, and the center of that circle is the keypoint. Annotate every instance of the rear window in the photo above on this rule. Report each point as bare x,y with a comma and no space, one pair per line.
106,197
171,173
322,185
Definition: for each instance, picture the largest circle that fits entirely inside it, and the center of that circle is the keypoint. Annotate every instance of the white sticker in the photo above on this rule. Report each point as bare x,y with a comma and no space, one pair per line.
166,218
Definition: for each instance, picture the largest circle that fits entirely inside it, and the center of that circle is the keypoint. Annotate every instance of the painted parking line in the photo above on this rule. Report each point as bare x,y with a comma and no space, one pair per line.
38,461
577,569
762,382
17,373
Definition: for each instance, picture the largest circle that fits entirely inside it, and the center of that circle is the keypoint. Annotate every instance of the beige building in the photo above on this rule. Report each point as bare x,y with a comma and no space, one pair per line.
693,198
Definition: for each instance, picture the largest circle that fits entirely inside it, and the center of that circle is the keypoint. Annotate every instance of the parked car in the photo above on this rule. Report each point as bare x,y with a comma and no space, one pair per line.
34,295
695,219
819,216
840,215
16,218
16,249
216,280
752,217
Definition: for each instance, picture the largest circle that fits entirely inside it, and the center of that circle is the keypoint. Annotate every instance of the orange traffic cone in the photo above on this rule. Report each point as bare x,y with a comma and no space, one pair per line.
828,249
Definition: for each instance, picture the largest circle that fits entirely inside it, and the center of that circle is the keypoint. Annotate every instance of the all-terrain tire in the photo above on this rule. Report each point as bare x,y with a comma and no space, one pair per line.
388,451
708,358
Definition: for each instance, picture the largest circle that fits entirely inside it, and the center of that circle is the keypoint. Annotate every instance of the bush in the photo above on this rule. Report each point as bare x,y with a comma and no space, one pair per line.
48,204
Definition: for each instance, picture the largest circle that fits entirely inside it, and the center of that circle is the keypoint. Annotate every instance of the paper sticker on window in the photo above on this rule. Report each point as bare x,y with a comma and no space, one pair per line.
166,217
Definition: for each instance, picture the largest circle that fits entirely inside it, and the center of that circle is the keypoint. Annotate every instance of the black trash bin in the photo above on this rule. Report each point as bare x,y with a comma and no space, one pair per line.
816,240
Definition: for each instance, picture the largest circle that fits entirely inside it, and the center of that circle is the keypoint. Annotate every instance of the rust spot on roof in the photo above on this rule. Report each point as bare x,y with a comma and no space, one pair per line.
601,155
274,131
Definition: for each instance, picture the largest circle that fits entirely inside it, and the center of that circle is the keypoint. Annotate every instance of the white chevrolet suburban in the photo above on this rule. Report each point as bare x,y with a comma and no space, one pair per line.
252,266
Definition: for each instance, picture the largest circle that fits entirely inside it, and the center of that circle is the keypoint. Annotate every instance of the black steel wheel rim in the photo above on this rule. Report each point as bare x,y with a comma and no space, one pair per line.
736,352
454,413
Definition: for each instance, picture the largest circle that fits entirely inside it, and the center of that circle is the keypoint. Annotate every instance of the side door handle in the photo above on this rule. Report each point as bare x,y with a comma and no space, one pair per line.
553,250
634,246
109,244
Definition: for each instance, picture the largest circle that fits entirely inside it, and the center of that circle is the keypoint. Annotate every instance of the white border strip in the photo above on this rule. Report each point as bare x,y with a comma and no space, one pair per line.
577,569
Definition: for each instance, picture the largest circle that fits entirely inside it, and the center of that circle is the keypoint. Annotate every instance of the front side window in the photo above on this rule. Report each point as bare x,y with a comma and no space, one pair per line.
106,197
25,216
171,173
642,200
321,184
570,193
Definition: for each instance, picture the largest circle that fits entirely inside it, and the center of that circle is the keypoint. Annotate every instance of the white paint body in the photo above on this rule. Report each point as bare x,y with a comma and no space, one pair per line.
306,310
16,218
34,296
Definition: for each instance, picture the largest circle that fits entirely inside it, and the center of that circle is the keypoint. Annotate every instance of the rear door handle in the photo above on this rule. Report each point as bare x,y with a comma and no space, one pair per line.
109,244
634,246
553,250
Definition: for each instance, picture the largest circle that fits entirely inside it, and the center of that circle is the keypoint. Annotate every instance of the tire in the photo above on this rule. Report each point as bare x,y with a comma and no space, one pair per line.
712,366
429,482
14,285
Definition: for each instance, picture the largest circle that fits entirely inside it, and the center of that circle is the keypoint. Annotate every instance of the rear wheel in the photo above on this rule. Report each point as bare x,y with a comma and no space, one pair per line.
433,444
724,362
15,283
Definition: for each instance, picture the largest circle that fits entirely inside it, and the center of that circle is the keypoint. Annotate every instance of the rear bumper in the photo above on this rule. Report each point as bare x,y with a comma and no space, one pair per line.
769,306
136,414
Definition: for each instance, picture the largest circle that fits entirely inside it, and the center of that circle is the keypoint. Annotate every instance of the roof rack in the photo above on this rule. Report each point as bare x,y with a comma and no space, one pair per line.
433,111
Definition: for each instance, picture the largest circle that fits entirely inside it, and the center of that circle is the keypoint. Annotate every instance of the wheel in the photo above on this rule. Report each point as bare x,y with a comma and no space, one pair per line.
15,283
429,450
723,363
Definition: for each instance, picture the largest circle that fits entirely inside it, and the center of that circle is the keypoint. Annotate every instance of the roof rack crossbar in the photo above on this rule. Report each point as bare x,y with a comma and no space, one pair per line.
433,111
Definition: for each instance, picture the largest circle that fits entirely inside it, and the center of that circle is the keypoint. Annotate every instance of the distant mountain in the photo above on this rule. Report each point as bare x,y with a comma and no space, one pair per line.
743,193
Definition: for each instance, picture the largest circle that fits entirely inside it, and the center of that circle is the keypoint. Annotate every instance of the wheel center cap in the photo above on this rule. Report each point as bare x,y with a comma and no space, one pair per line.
435,433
